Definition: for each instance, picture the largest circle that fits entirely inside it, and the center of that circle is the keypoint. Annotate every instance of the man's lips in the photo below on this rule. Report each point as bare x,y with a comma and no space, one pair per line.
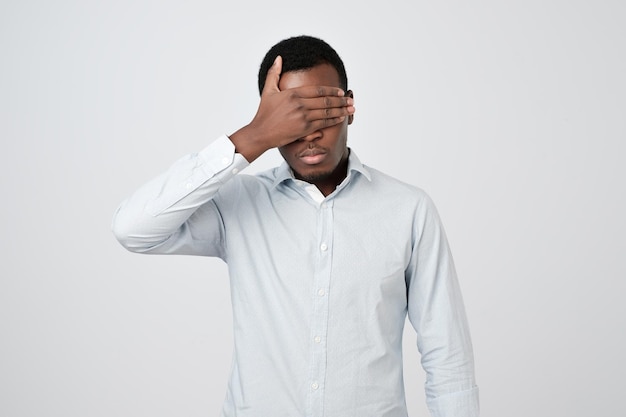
312,156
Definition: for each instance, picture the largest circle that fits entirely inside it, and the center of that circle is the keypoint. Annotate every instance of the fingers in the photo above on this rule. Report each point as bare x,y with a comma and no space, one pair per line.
329,114
327,111
324,123
329,102
315,119
319,91
319,103
273,76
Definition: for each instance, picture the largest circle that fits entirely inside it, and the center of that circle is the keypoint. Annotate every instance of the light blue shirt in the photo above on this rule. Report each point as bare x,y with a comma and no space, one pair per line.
320,286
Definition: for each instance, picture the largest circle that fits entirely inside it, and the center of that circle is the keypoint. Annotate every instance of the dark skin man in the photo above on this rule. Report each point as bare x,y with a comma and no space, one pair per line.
305,114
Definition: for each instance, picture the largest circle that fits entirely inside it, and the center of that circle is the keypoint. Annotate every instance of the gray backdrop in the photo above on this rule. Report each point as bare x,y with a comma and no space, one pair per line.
510,114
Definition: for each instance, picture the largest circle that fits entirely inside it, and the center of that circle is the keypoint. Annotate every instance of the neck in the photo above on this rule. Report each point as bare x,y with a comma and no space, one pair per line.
330,183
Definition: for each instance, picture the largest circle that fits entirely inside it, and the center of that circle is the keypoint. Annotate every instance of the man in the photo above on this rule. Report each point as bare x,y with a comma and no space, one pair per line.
326,255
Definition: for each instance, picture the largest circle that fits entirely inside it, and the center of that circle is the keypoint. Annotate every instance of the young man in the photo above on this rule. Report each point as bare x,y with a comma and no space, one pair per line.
326,256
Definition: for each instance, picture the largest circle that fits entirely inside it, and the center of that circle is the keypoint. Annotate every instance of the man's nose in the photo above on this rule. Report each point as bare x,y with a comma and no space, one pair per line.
313,136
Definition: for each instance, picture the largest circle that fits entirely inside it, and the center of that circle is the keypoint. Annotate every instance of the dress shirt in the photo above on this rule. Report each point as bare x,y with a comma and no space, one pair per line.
320,286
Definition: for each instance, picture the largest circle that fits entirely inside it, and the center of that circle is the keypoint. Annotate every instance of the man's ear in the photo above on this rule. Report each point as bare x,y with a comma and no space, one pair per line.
349,93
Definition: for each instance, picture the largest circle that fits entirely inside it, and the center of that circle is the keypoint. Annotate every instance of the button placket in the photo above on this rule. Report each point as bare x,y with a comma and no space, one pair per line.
319,324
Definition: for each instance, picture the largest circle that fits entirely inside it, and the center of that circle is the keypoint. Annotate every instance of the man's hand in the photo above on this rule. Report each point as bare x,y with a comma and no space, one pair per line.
285,116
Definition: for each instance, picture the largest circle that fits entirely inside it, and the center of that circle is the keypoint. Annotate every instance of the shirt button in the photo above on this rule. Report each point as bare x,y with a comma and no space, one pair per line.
315,385
235,170
321,292
323,205
225,161
323,247
317,339
189,186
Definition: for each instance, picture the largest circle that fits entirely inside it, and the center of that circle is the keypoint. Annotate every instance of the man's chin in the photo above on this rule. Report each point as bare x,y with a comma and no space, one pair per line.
313,176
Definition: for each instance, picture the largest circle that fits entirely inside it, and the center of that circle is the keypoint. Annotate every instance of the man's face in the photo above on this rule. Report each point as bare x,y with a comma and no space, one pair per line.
315,157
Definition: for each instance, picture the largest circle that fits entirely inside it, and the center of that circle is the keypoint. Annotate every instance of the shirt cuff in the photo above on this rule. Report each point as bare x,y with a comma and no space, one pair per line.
219,159
458,404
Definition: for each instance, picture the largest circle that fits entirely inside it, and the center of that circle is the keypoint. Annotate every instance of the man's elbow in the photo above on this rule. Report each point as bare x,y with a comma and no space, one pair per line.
128,234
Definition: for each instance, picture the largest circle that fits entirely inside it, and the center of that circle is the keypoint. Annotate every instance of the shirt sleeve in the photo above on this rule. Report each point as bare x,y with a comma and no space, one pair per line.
437,313
175,212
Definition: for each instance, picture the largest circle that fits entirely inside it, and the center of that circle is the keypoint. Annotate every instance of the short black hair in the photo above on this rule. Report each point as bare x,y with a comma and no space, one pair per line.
301,53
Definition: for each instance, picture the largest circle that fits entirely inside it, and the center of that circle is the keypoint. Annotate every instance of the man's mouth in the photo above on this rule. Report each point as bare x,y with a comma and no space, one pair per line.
312,156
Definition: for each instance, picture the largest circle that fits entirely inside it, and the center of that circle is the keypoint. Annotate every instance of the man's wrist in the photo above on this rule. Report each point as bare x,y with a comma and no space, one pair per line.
248,143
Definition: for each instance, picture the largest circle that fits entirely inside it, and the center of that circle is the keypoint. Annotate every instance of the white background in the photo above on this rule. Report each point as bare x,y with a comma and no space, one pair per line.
510,114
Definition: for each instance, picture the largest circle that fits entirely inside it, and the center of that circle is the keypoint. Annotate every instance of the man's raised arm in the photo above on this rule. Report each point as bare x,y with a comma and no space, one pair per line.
171,214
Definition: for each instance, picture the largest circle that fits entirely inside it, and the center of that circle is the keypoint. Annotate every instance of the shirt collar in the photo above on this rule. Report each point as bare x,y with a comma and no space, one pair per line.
284,172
